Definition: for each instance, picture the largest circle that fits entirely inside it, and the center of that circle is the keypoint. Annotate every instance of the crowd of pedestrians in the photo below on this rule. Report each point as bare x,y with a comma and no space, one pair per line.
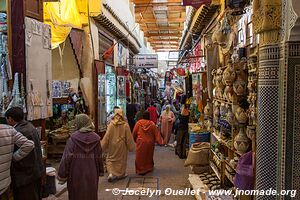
21,166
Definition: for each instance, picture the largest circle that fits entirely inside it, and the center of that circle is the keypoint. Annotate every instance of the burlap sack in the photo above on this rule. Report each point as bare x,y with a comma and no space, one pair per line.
198,154
199,169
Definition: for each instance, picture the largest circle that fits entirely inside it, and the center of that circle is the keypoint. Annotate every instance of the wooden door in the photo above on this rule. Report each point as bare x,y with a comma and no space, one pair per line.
34,9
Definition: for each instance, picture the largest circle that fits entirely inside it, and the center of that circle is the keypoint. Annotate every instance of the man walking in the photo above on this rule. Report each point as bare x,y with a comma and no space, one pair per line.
26,175
8,138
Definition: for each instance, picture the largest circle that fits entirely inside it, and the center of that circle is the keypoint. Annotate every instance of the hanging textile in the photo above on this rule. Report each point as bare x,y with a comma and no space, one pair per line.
62,17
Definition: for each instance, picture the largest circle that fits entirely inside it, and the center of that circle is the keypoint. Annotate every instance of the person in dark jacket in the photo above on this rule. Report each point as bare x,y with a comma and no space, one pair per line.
131,111
26,174
82,164
182,135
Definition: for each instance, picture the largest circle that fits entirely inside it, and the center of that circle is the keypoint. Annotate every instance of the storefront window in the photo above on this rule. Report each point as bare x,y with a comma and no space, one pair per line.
111,96
121,100
101,102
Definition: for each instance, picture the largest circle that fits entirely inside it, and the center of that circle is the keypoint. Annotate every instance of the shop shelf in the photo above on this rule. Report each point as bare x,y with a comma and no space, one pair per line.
215,169
214,153
227,163
221,141
229,176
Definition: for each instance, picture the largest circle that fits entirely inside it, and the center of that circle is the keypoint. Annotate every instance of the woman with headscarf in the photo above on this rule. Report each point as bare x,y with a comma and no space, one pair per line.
145,135
116,143
167,120
81,164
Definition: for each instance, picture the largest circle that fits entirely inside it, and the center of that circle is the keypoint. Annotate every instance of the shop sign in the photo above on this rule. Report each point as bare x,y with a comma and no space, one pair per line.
146,61
196,3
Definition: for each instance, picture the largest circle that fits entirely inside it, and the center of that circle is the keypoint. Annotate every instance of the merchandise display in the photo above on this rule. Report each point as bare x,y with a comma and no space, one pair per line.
217,81
111,89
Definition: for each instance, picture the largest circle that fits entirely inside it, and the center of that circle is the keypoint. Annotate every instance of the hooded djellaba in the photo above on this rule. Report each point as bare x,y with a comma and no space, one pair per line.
117,142
82,164
145,134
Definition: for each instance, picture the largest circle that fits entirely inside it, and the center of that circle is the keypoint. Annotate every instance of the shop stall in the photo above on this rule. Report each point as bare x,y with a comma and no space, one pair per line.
226,96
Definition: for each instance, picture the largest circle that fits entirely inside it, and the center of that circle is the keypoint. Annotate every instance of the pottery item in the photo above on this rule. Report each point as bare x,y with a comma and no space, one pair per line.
251,86
233,163
219,36
216,113
219,79
230,116
223,110
253,98
240,86
228,92
229,75
251,132
208,111
241,116
241,141
235,55
219,93
252,115
208,124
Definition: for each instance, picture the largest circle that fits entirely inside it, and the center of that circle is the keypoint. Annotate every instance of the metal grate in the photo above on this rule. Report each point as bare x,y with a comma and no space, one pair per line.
142,183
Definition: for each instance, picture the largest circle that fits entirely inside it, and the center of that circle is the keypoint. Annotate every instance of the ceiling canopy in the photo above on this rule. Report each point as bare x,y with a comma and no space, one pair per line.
162,22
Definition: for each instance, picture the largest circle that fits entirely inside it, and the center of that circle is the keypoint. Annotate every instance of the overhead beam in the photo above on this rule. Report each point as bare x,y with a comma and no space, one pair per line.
139,10
162,28
163,35
163,42
163,39
165,45
153,20
146,5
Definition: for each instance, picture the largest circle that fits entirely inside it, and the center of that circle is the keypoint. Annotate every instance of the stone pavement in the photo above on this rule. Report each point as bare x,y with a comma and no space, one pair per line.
169,170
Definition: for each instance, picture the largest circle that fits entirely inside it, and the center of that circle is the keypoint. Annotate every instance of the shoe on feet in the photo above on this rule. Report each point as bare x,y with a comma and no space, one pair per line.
111,178
171,145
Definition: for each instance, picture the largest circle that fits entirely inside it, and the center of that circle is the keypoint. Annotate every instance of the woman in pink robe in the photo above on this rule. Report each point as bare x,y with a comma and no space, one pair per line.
167,120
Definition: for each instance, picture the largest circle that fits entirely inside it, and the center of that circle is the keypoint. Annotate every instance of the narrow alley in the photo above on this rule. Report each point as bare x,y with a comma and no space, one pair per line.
168,169
92,92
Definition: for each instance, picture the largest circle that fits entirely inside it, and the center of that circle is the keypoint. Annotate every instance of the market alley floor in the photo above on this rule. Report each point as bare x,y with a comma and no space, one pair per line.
169,171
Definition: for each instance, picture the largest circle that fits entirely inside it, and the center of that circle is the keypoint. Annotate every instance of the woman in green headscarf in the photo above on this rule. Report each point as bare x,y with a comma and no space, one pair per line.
83,123
81,164
117,142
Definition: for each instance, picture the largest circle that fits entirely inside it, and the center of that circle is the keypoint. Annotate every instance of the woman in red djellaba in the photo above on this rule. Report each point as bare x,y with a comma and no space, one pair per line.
145,134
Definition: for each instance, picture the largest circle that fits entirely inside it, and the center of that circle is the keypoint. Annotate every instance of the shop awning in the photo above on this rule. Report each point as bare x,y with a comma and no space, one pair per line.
64,15
200,20
113,23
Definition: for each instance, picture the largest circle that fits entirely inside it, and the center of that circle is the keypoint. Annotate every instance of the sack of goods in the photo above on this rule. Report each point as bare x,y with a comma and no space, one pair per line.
198,157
